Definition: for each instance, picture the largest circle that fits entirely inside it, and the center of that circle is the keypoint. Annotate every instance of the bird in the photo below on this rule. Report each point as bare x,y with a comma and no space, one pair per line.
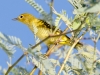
44,29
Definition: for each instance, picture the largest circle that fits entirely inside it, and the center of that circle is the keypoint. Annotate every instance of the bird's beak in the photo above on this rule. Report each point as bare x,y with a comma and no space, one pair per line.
15,19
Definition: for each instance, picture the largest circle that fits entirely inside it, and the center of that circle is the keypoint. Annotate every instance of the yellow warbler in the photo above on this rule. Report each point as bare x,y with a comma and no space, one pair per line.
44,30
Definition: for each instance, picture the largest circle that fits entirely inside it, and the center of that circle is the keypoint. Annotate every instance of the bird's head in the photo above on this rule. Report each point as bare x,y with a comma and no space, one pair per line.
25,18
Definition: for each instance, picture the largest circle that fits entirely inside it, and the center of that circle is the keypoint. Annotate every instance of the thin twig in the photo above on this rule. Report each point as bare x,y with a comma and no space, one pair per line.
50,50
40,42
98,37
70,50
33,70
95,43
51,5
14,64
94,54
40,72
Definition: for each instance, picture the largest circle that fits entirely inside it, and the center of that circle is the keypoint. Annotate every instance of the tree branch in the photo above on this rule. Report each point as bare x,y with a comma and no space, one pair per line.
14,64
70,50
33,70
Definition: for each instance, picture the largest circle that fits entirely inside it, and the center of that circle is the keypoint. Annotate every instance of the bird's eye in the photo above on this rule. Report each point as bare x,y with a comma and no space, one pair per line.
21,16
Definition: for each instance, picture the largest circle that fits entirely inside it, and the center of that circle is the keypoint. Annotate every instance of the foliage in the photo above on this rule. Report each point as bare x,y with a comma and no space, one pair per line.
86,61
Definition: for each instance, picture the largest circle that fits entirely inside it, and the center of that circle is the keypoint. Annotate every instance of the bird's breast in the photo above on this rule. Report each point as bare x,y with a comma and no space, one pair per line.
42,33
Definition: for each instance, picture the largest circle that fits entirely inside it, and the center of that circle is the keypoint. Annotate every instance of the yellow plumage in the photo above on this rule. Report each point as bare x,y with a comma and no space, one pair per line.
44,30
